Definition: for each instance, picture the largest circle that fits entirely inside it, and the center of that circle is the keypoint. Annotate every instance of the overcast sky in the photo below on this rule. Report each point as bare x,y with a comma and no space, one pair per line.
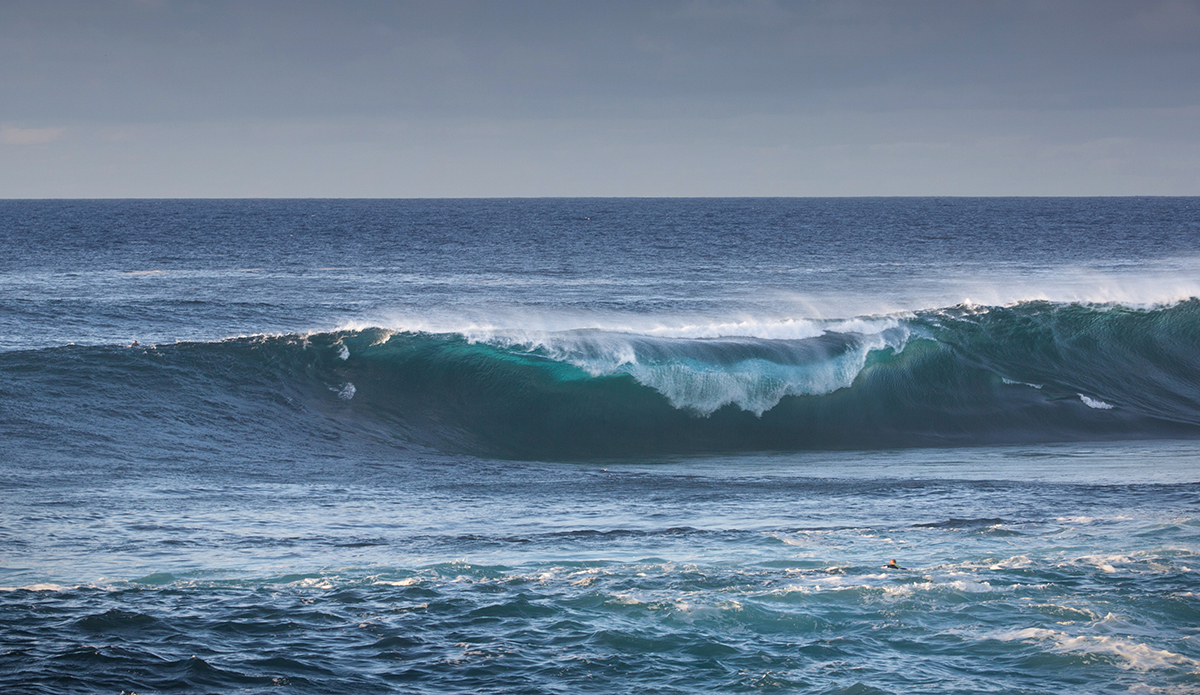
153,98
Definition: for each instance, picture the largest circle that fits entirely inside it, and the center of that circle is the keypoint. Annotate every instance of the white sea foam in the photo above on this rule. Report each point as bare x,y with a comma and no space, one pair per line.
1094,403
583,579
1015,562
710,374
1162,690
39,587
1150,284
1058,610
1105,563
1131,655
410,581
324,583
625,600
1010,382
785,321
782,315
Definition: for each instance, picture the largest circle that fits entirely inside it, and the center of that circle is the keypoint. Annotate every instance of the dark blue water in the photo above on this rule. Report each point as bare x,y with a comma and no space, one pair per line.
600,445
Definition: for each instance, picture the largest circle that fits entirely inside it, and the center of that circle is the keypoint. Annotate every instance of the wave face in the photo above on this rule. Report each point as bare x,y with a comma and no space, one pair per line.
957,376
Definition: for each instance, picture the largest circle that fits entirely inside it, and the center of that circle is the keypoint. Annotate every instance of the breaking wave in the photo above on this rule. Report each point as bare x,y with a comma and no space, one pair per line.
959,376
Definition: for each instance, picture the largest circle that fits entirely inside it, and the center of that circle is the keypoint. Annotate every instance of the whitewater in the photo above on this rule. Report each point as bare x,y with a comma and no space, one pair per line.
600,445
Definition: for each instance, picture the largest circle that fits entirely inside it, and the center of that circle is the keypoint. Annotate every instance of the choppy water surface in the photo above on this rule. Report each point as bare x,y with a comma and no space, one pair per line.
599,446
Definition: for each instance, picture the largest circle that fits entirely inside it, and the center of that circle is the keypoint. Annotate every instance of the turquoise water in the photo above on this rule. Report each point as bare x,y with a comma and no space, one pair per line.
479,446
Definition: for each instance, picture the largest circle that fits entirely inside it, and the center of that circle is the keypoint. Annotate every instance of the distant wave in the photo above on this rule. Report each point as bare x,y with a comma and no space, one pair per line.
963,375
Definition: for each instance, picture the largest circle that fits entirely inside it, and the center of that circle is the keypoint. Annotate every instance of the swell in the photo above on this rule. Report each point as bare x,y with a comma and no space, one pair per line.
965,375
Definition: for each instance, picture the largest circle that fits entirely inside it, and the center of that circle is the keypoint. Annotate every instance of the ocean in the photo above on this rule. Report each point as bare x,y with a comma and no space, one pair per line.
600,446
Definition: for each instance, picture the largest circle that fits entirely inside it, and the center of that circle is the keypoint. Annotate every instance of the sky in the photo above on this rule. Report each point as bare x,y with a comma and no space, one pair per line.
464,98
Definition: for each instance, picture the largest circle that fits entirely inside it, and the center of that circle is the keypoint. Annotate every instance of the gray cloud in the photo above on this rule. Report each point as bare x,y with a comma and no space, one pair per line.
924,82
29,136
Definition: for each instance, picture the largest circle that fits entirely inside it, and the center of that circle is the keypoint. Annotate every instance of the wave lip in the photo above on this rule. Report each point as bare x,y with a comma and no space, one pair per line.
704,375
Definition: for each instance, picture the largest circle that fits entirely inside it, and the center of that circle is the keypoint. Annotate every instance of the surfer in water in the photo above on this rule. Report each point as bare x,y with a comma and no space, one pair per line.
893,565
